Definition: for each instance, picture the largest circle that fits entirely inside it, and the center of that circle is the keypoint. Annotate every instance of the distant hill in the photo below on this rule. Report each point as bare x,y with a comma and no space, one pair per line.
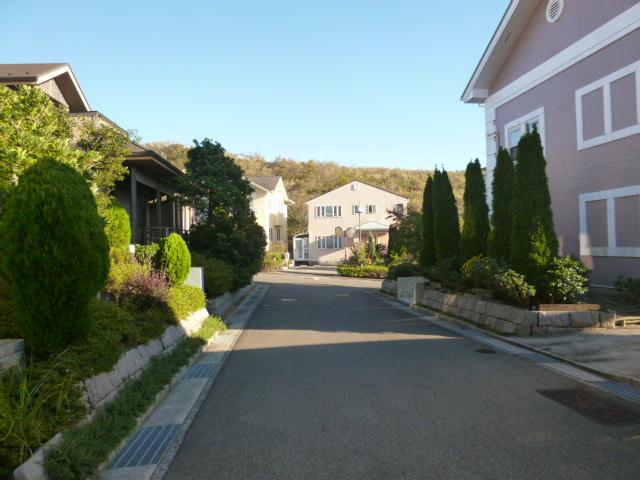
307,180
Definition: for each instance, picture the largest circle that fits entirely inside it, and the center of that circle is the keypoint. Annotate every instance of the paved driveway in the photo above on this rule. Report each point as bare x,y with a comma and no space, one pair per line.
330,382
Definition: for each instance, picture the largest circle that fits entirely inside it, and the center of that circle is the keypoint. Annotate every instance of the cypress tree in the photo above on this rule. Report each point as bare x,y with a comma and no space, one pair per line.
533,238
475,227
500,236
428,252
446,224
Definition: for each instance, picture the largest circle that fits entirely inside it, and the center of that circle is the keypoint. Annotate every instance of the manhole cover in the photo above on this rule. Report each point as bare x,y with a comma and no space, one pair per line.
485,350
593,406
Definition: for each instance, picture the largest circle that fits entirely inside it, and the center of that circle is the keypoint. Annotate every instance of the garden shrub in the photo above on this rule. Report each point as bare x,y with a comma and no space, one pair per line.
272,261
143,289
475,225
403,270
499,243
218,274
629,290
121,272
446,224
9,327
174,259
512,287
427,247
55,254
185,299
448,273
146,254
480,271
117,225
363,271
566,281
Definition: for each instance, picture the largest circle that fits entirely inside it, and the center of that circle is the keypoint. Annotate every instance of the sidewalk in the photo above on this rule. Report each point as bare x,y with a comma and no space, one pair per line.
615,353
150,449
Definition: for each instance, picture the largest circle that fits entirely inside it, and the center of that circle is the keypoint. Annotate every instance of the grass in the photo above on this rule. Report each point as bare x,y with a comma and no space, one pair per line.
85,447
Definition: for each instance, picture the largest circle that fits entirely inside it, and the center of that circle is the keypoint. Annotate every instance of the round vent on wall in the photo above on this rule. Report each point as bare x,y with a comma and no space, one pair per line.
554,10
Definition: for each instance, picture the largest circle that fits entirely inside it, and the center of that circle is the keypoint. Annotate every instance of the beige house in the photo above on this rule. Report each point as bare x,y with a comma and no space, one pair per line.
356,205
572,68
269,203
147,192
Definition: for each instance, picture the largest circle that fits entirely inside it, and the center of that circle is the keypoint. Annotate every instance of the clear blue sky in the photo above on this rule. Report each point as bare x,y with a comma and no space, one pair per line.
359,82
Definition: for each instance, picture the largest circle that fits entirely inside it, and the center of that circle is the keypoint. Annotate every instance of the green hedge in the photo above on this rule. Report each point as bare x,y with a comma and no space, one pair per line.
174,259
363,271
185,299
118,225
218,274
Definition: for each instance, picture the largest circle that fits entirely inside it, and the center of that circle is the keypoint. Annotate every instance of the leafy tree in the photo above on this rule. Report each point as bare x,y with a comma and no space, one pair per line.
118,225
173,258
176,153
405,237
533,238
428,251
54,252
502,193
446,224
475,227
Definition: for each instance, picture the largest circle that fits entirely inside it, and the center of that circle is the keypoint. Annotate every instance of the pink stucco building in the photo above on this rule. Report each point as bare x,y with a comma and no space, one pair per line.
572,67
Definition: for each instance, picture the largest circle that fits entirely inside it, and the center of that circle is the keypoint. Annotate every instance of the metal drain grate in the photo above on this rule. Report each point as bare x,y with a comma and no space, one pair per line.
485,350
594,406
200,370
146,446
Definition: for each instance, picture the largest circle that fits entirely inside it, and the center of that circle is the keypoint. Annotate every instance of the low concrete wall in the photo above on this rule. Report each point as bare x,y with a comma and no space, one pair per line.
104,387
510,320
11,353
195,277
409,288
390,287
221,304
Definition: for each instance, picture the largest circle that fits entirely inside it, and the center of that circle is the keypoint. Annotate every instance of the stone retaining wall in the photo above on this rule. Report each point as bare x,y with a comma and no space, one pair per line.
222,303
104,387
11,353
511,320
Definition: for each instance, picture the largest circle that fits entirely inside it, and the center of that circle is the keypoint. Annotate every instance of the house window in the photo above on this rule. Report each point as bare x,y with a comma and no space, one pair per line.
610,223
270,233
278,238
514,130
609,109
371,209
330,242
354,187
330,211
398,208
355,209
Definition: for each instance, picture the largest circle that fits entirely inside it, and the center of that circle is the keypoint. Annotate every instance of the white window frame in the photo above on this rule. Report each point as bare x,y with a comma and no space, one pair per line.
371,209
605,83
328,211
612,250
336,242
522,124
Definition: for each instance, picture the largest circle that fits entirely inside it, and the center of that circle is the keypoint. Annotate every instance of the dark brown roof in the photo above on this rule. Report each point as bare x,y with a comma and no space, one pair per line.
270,183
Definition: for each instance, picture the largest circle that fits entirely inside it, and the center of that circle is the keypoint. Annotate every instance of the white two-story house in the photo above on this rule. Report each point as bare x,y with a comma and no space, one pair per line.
356,205
269,203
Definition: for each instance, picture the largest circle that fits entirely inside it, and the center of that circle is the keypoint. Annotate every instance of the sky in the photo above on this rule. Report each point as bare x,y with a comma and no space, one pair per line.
358,82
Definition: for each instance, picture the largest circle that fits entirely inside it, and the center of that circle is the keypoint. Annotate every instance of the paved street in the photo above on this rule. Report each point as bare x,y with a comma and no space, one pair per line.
329,381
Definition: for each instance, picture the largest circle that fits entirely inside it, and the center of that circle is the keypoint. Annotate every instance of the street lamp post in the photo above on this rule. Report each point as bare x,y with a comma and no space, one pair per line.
360,211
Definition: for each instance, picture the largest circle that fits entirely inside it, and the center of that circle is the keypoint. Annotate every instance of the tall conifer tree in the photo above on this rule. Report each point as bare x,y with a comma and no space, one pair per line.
446,224
533,237
502,196
475,227
428,252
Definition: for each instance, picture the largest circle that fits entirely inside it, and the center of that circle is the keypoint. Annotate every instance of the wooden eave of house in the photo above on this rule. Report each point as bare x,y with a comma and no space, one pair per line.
39,73
504,38
151,162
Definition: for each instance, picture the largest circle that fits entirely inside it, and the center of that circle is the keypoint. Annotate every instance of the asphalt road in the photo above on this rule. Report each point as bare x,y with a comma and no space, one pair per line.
330,382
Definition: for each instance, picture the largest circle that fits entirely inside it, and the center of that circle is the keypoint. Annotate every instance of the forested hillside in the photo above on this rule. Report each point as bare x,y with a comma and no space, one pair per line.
309,179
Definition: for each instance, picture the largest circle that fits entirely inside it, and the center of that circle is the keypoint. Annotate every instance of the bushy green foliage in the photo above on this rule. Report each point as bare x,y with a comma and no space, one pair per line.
210,327
363,271
502,197
55,254
142,290
35,404
117,225
146,254
533,238
173,258
475,227
428,247
480,271
566,281
446,224
218,274
629,290
448,273
513,288
9,327
403,270
405,236
272,261
185,299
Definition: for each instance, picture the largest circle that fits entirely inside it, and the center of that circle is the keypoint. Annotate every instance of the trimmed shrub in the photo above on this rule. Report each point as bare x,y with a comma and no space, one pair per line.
533,238
475,225
174,259
428,248
480,271
218,274
446,224
363,271
117,225
502,195
629,290
512,287
448,273
272,261
566,281
185,299
143,289
55,254
146,254
121,272
403,270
